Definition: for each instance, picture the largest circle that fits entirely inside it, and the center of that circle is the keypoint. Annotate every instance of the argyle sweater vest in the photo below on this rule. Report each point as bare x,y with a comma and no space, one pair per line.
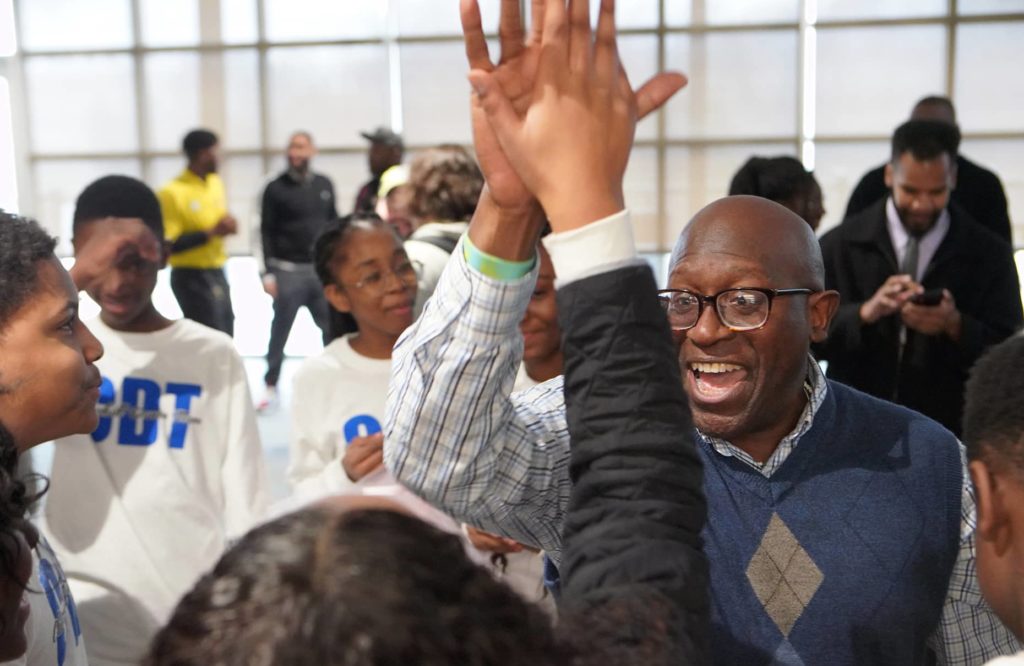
843,555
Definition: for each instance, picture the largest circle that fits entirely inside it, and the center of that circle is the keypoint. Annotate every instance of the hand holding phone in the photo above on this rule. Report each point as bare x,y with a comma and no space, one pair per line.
929,297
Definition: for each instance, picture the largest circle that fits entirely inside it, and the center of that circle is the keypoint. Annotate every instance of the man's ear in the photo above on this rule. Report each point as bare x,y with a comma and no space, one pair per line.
994,524
822,308
337,298
888,175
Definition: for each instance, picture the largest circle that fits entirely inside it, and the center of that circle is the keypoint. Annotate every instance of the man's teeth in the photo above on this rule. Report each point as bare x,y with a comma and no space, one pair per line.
714,368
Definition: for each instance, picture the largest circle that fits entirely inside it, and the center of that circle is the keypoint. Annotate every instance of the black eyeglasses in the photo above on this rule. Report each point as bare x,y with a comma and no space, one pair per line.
741,309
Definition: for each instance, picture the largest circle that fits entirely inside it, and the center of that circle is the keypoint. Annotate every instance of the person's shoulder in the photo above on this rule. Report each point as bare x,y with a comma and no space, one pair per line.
323,179
985,241
976,173
328,362
870,416
202,339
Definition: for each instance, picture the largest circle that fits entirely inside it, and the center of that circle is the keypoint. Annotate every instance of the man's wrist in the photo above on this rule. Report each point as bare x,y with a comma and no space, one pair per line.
865,314
506,233
566,213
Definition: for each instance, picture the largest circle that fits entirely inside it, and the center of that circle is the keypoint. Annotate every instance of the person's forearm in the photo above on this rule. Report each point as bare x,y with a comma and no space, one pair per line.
189,241
453,434
510,234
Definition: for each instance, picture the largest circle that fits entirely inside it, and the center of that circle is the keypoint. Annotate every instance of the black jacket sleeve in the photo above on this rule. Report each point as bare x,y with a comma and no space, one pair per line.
186,242
268,221
632,534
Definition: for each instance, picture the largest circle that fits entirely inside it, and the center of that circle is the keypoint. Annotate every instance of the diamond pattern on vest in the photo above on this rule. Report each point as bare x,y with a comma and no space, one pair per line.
783,575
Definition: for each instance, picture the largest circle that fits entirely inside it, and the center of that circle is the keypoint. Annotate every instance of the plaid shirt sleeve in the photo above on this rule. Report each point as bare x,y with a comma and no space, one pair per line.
969,631
455,435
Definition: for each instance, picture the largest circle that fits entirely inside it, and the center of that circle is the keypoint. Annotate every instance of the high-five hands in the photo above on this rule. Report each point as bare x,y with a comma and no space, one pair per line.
555,117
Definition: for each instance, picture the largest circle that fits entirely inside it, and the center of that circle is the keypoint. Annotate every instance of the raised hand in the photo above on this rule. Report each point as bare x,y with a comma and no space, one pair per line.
560,107
515,79
122,240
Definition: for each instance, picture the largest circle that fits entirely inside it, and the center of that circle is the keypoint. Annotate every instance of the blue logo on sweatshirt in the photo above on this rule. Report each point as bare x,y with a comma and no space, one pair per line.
138,414
58,596
362,425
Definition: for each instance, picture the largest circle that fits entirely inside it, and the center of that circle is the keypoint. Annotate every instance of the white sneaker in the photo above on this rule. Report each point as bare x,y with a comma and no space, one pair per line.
269,401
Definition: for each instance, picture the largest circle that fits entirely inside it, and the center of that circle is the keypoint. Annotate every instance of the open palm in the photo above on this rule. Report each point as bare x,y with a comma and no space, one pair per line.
516,75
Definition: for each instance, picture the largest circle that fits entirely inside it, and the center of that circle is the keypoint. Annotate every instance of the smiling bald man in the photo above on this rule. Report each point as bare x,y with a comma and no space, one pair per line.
840,527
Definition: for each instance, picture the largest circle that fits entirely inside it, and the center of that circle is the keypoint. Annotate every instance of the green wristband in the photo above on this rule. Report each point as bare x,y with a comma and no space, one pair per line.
496,267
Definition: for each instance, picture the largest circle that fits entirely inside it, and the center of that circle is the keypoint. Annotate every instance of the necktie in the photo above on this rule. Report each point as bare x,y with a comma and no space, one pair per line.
909,263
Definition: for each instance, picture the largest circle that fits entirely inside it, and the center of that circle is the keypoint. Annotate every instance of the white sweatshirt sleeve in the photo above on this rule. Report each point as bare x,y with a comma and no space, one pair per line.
243,473
314,461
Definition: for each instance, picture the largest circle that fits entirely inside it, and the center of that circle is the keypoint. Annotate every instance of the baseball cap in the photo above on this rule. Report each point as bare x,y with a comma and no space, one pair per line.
383,135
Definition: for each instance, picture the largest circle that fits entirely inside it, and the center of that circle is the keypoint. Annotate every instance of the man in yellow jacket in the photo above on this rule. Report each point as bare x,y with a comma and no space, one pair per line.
196,221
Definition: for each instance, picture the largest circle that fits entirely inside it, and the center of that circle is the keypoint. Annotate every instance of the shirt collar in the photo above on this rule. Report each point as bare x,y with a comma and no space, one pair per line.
899,236
301,177
815,389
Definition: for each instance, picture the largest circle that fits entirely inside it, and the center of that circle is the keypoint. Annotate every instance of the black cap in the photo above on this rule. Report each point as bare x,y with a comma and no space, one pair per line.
383,135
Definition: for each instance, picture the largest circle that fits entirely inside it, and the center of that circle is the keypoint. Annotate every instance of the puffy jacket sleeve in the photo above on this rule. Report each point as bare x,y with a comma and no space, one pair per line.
632,533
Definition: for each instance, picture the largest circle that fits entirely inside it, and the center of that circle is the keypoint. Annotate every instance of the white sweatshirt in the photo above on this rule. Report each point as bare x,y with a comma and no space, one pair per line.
337,395
53,630
141,508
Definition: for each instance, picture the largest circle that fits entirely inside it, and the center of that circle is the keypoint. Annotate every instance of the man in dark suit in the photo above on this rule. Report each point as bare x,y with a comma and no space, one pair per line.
924,289
978,190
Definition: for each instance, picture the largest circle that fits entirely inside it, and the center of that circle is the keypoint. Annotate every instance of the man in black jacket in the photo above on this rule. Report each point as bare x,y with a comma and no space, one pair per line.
297,205
924,289
978,190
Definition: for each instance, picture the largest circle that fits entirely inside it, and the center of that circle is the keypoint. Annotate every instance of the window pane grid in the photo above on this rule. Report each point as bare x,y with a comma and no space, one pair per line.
269,74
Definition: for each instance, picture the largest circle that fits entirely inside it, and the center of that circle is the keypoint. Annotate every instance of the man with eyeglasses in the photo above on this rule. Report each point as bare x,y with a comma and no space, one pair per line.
839,527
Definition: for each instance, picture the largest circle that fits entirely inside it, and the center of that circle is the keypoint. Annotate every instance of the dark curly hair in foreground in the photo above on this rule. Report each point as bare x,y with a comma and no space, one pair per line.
23,243
364,588
374,587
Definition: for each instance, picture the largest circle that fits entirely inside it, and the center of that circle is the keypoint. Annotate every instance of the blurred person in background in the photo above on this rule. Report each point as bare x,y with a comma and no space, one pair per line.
446,184
196,221
924,290
394,200
782,180
297,206
386,150
978,191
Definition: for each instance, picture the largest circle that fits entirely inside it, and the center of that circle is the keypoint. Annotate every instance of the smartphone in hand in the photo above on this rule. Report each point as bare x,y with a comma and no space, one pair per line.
930,297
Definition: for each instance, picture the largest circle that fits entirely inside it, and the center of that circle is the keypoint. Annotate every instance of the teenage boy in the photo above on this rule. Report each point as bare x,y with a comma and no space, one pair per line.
994,434
144,505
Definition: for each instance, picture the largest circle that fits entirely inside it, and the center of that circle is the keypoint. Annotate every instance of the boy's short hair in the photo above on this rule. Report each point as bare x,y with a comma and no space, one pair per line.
197,141
23,243
118,196
994,410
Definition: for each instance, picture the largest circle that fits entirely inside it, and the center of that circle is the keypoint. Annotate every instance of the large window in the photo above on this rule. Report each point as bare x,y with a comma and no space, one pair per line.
112,85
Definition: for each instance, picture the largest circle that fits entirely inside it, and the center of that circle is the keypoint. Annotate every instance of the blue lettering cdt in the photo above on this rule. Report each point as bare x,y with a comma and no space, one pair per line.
139,413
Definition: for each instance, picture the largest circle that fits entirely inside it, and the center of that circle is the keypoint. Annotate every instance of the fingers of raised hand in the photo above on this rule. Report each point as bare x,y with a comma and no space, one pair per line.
473,36
510,30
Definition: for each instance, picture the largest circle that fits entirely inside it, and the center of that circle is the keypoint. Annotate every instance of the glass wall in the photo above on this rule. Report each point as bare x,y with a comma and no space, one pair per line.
112,85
